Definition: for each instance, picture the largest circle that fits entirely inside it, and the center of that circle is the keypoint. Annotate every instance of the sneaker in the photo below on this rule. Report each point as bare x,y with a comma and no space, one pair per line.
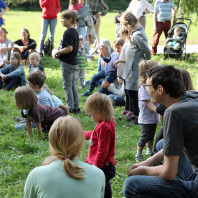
87,93
148,153
75,111
138,159
40,54
129,114
133,119
124,112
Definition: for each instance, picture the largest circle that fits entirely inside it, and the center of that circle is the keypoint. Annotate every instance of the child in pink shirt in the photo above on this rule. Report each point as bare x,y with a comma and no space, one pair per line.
102,139
74,5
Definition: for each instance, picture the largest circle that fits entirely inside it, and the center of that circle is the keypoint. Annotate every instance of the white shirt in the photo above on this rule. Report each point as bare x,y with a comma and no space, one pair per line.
139,7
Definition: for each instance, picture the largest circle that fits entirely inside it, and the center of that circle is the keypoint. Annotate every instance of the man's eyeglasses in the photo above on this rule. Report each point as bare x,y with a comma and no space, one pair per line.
146,86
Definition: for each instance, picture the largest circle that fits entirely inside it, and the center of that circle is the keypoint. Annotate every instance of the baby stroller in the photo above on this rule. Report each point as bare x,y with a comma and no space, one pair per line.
176,54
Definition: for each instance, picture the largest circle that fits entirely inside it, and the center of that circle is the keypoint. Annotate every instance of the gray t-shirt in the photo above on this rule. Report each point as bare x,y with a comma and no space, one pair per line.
181,128
146,115
44,98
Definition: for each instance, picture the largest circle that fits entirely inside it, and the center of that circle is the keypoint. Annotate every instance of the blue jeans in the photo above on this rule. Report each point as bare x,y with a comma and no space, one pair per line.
82,32
11,82
184,185
44,26
102,74
69,74
118,100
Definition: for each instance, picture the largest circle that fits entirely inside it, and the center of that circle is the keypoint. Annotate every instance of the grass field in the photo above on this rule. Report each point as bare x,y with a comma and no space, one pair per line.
19,154
15,20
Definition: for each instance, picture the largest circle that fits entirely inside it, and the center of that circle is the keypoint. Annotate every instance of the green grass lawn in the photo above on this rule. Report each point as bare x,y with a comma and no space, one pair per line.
15,20
19,154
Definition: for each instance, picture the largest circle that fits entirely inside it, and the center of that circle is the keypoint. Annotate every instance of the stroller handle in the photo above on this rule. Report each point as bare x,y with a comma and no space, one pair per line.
183,19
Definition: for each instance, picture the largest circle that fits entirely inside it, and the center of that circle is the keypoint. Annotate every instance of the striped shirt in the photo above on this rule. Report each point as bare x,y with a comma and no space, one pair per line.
163,10
81,56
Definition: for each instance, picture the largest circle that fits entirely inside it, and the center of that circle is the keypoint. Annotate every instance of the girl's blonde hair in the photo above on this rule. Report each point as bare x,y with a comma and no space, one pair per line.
35,55
143,67
48,89
25,98
66,139
101,102
129,20
49,160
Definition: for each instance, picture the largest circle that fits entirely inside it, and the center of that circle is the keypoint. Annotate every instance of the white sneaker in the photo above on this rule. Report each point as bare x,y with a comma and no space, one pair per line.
138,159
149,153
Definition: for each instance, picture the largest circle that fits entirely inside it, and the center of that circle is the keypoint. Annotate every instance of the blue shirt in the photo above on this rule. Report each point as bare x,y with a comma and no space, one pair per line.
2,5
44,98
163,10
10,72
110,67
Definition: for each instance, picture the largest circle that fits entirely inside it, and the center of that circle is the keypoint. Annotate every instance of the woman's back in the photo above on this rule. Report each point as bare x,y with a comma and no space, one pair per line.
52,182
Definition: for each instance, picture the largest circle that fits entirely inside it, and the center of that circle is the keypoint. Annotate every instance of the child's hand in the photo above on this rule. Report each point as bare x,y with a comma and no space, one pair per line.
56,55
101,55
105,84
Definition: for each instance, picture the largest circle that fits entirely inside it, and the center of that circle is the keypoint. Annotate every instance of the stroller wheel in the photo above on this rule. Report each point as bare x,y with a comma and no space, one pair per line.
187,56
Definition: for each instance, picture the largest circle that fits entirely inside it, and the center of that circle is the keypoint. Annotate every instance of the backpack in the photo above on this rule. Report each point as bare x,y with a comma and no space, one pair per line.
48,47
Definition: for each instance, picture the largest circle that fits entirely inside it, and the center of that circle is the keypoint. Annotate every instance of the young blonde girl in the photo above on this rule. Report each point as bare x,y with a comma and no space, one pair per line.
13,74
147,119
102,138
63,174
42,116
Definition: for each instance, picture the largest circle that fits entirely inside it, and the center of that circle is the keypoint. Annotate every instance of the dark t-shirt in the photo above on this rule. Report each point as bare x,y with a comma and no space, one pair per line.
45,115
70,38
181,128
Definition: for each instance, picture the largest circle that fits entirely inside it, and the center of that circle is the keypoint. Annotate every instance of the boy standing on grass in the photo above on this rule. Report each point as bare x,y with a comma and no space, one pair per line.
67,54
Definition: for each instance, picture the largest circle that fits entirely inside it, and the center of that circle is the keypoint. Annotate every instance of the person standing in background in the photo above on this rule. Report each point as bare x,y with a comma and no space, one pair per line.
50,9
162,20
139,9
95,6
5,9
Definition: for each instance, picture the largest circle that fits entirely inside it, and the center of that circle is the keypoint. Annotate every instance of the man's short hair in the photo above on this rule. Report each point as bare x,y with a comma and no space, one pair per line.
37,78
67,14
169,78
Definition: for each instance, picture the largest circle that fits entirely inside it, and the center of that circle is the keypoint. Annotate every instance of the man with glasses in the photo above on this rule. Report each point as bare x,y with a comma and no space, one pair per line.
178,152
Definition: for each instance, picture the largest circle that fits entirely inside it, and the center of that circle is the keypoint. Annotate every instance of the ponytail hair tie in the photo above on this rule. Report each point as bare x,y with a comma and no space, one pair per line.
65,157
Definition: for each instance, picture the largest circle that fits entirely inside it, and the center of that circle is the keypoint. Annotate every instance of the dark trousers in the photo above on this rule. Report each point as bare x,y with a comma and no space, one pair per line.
161,27
132,102
11,82
109,172
102,74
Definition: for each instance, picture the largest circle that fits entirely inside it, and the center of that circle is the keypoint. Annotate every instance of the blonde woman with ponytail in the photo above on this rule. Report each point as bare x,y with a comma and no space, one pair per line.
65,175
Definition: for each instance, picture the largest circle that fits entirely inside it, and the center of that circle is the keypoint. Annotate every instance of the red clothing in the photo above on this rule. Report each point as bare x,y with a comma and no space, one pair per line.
101,144
75,7
50,8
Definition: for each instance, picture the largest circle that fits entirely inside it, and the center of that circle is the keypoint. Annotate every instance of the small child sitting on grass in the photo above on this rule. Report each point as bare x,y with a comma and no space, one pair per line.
36,81
57,102
42,116
34,59
102,138
110,72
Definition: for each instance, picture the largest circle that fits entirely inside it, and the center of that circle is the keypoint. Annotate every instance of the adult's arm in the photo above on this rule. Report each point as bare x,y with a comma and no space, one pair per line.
6,9
155,21
58,6
43,3
105,8
84,13
166,171
31,44
143,46
16,72
149,6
